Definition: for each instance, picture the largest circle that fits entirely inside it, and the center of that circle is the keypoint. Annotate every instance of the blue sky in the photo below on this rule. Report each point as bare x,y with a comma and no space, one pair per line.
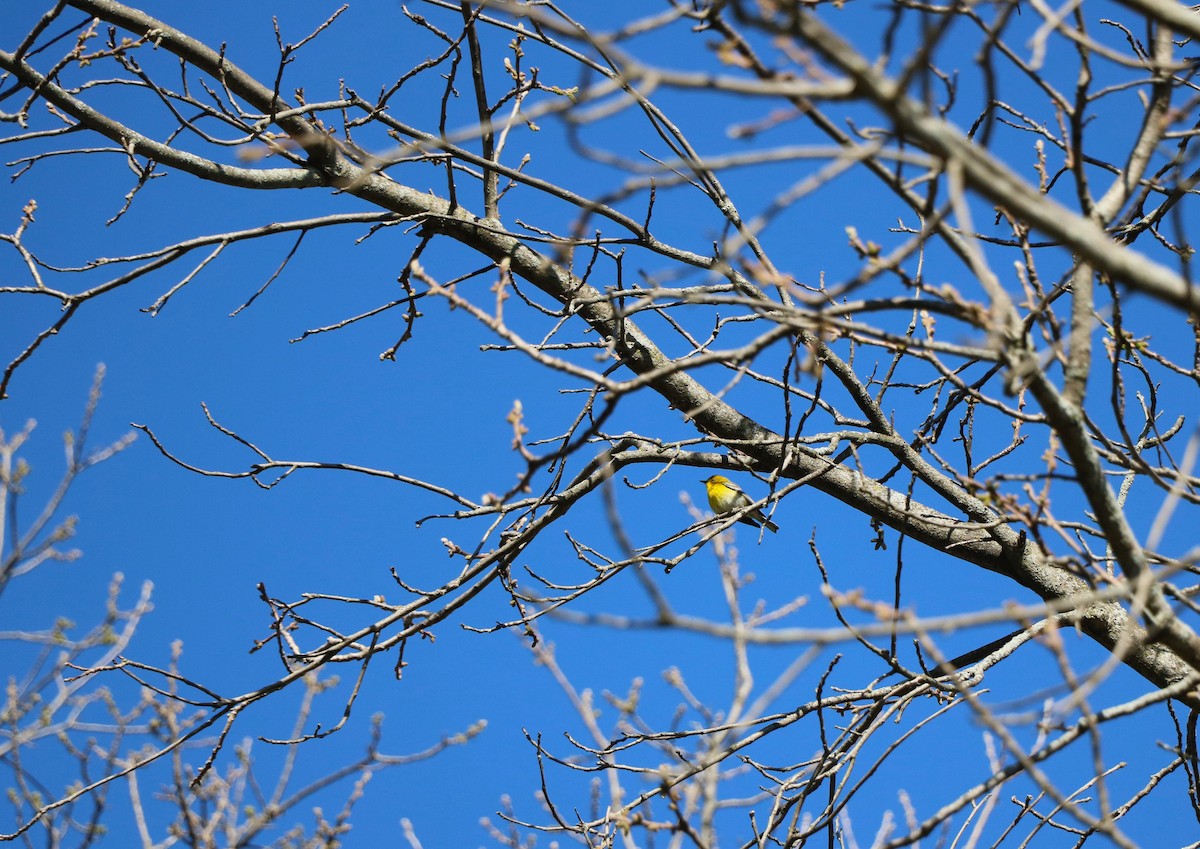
437,413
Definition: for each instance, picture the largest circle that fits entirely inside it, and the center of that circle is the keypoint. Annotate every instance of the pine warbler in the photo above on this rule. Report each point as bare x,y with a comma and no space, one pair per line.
724,496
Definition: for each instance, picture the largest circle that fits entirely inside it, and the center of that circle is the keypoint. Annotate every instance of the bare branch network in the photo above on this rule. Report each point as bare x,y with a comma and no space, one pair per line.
997,368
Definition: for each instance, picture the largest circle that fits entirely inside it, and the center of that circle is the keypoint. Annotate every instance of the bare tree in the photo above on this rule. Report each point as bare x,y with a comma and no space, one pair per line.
949,387
144,734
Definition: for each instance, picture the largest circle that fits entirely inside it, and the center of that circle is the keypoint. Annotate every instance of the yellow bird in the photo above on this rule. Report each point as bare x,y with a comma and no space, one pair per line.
724,496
